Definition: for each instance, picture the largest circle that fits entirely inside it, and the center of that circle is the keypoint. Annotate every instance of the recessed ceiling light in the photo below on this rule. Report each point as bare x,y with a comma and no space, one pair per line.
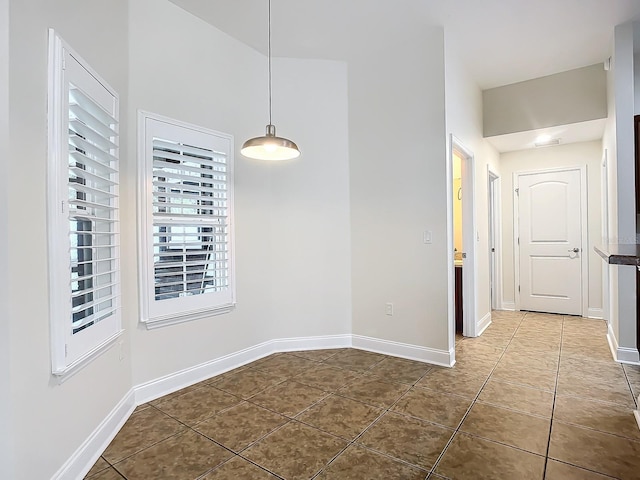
547,142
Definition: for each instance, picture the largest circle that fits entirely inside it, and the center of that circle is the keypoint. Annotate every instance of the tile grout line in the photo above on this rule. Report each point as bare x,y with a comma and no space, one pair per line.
457,429
553,406
374,422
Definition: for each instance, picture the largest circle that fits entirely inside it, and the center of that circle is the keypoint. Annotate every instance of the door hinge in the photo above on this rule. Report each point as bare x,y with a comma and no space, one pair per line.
518,240
517,191
518,288
66,350
62,206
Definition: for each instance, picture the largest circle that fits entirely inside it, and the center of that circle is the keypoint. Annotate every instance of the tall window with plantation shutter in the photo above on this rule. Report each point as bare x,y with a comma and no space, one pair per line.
83,210
186,200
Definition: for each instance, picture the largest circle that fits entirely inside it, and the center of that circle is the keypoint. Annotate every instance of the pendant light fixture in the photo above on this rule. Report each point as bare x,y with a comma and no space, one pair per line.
270,147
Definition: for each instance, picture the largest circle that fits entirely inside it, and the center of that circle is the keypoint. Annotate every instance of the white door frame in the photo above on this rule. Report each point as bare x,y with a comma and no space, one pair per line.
469,235
584,248
495,233
606,288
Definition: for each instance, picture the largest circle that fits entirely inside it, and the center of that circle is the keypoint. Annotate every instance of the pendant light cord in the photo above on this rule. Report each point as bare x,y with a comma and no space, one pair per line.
269,55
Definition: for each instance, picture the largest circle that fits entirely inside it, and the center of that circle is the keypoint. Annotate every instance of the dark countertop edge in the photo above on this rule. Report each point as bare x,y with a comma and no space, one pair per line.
618,258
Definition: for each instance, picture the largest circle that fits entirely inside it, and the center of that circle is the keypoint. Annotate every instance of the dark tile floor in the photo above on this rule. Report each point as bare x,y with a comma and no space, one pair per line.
537,396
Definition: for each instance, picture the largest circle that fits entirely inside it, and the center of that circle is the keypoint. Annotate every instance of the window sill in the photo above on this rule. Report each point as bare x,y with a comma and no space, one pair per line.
63,374
159,322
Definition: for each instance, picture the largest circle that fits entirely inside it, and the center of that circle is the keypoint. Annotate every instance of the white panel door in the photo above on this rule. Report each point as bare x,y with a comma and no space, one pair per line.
550,235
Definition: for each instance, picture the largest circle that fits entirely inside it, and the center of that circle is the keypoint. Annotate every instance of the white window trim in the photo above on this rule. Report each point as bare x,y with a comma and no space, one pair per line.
59,298
145,255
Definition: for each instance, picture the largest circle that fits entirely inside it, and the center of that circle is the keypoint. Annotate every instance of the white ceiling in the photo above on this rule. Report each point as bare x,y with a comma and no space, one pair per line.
499,41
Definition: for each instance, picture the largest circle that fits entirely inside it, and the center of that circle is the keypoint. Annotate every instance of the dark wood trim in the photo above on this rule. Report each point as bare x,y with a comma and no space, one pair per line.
636,130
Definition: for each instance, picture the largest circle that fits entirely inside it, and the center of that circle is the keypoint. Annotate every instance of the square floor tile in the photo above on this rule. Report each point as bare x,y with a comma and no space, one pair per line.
527,376
405,438
515,358
517,397
340,416
563,471
358,463
602,389
353,359
473,458
374,392
326,378
604,417
400,370
448,380
247,382
509,427
197,405
288,398
241,425
238,469
186,455
596,451
141,430
433,406
295,451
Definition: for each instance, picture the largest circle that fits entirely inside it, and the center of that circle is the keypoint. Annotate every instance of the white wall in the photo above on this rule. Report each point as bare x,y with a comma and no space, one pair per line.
610,281
397,172
53,419
292,230
569,97
464,121
574,154
310,276
623,190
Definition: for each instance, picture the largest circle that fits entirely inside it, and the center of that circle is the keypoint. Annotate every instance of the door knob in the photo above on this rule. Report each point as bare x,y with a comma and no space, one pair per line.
574,250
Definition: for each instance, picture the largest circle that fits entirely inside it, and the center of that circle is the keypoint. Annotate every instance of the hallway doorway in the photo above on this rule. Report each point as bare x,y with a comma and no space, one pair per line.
463,258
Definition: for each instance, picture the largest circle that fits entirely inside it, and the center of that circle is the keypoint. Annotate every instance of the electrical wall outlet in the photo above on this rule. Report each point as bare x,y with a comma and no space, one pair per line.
388,309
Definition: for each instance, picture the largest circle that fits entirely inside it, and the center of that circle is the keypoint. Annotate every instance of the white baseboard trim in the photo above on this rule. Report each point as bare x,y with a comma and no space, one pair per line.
312,343
79,464
404,350
628,355
183,378
508,306
159,387
595,313
484,323
622,354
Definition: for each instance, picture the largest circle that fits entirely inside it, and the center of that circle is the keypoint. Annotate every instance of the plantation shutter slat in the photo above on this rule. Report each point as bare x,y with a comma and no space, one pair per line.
190,220
167,147
93,210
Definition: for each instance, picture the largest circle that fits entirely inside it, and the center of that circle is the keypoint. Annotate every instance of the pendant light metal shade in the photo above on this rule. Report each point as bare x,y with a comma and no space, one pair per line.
270,147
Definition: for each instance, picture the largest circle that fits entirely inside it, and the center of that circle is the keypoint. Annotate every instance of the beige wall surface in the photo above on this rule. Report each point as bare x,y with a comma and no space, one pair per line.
568,97
291,218
54,419
397,185
576,154
464,121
